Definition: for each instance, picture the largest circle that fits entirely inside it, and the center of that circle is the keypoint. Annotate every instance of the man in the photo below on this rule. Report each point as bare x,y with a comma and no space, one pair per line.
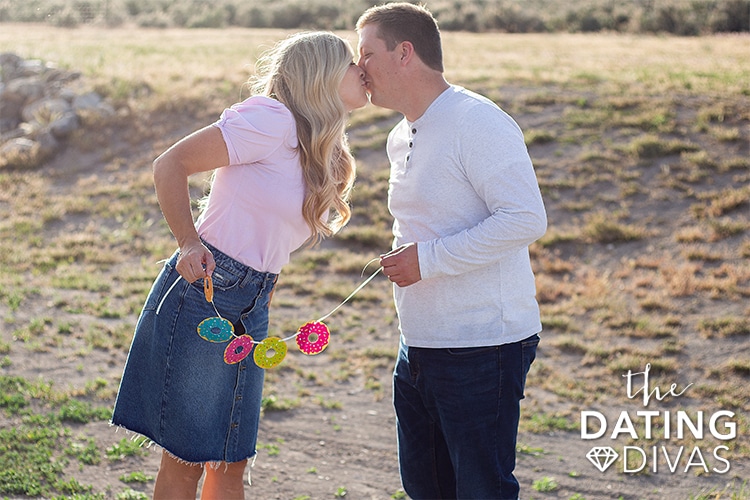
466,206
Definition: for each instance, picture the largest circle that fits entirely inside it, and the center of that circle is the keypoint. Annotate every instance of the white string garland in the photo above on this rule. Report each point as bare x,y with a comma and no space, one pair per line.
320,320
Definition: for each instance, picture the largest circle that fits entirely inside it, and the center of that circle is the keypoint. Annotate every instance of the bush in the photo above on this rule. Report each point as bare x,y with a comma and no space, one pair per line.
252,17
679,17
732,16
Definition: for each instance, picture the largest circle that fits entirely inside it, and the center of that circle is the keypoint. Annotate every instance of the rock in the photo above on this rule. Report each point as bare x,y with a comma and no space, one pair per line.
38,111
91,105
19,153
64,125
46,110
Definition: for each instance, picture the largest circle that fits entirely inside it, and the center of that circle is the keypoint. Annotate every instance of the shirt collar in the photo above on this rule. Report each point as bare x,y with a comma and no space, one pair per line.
433,108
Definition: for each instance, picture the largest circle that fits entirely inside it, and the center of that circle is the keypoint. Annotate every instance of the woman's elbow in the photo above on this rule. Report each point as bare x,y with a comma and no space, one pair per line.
163,167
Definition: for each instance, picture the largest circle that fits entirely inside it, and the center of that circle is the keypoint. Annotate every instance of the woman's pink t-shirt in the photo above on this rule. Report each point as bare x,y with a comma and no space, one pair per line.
254,210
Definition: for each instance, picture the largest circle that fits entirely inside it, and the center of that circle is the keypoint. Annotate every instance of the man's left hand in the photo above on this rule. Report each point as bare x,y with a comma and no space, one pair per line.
402,265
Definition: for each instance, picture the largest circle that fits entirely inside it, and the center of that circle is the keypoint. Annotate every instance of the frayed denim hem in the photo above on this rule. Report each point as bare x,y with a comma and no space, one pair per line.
150,444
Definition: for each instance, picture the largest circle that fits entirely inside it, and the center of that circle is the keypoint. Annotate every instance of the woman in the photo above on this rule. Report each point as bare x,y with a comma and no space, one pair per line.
282,177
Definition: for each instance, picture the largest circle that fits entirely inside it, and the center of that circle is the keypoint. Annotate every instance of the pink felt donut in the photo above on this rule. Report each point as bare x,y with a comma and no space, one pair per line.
313,337
238,349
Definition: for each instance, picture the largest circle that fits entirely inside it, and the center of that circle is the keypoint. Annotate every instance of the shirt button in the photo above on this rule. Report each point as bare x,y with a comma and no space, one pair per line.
238,398
411,144
234,425
413,131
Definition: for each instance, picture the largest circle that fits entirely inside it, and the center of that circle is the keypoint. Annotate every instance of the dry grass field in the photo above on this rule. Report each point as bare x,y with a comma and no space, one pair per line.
641,147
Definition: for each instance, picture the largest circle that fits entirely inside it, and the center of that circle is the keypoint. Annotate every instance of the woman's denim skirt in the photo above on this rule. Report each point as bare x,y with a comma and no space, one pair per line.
176,389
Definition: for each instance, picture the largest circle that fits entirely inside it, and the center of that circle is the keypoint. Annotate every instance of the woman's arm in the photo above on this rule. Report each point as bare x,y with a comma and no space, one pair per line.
201,151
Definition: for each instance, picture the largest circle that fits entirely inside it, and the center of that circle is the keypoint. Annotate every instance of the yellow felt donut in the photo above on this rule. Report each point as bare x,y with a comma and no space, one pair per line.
270,352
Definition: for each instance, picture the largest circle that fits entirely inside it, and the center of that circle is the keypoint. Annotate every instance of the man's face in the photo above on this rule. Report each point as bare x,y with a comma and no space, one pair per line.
380,66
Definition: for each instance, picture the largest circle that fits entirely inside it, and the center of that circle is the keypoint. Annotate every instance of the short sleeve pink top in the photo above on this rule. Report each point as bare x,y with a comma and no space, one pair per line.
254,210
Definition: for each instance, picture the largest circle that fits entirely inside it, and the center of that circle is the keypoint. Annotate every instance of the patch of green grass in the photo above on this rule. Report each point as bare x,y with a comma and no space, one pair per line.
562,323
127,447
273,448
131,494
602,227
79,279
83,412
536,136
726,228
728,326
341,492
649,147
540,422
718,203
273,403
636,360
136,477
328,404
86,453
529,450
30,463
545,485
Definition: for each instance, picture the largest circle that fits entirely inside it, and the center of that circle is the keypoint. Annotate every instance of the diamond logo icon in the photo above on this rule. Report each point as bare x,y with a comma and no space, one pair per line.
602,457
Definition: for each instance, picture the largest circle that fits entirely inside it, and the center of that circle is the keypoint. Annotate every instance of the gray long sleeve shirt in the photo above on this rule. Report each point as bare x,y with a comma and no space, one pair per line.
463,188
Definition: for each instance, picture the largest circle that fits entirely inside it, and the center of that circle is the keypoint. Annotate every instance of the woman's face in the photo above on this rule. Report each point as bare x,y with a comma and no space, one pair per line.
352,88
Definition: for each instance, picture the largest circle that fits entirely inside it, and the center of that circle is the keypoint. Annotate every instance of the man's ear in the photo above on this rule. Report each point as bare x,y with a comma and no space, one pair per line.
406,51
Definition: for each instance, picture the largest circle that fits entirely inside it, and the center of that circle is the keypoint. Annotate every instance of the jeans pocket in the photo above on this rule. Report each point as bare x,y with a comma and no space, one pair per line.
528,350
223,279
470,351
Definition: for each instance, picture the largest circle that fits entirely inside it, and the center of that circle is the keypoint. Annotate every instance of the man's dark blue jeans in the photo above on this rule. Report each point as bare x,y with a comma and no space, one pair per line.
457,413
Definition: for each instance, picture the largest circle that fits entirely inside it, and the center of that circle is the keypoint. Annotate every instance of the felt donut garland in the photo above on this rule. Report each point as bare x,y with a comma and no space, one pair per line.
312,337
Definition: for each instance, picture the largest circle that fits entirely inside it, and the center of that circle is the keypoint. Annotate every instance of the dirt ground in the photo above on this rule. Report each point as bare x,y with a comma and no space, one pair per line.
340,442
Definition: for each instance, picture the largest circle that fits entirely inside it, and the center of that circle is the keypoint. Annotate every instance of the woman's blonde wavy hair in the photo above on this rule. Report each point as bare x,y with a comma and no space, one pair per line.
304,72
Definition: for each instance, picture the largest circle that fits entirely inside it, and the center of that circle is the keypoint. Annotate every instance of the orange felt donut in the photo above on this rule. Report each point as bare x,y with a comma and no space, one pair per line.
208,288
313,338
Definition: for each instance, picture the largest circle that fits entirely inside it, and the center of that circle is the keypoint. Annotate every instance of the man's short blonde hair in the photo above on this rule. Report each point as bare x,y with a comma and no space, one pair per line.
400,21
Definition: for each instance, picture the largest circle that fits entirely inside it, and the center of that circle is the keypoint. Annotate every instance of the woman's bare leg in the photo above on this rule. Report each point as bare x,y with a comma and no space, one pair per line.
176,480
225,482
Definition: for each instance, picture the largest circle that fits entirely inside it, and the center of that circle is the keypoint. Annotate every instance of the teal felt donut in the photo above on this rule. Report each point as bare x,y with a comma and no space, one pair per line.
215,329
